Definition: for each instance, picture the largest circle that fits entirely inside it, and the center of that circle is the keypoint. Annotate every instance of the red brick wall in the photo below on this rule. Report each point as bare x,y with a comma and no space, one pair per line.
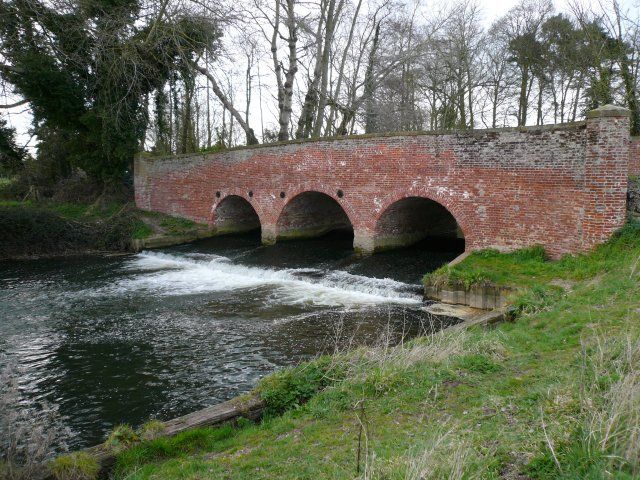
562,187
634,157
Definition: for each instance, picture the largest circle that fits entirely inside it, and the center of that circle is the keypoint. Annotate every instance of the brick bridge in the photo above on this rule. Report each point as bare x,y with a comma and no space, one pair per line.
563,187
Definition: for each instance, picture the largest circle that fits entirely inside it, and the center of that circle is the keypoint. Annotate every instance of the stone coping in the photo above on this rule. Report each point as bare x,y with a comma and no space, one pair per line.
609,111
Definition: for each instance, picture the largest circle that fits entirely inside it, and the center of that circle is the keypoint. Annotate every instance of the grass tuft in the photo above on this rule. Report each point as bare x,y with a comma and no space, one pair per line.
75,466
121,438
152,429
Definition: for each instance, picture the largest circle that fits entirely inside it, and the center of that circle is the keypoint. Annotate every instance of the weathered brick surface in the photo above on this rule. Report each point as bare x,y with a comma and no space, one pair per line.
634,157
562,187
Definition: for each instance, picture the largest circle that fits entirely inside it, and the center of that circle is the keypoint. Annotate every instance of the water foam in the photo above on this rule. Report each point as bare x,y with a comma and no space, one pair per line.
167,274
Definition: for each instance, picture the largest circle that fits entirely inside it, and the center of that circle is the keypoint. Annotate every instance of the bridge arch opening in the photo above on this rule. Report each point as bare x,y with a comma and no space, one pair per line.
234,214
416,219
312,214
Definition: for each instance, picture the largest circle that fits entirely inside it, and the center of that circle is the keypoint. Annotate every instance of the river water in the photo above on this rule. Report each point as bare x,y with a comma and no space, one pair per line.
121,339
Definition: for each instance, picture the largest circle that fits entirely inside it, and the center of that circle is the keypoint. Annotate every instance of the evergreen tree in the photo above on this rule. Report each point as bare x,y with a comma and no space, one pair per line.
88,67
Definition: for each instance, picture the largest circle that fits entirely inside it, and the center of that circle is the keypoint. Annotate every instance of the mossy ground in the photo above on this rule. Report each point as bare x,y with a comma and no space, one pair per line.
554,394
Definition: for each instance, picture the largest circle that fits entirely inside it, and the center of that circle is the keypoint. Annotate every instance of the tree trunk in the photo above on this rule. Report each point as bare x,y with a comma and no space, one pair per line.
305,122
332,15
336,94
523,104
285,88
539,115
369,86
251,137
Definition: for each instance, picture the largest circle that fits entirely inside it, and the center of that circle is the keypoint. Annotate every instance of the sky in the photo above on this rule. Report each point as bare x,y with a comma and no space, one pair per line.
20,118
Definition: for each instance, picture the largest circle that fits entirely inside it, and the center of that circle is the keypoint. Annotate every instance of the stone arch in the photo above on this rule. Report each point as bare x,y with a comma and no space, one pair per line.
234,214
411,217
311,213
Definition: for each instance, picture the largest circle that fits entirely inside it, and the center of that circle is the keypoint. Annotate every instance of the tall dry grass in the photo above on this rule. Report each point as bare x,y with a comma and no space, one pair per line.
444,455
29,436
611,400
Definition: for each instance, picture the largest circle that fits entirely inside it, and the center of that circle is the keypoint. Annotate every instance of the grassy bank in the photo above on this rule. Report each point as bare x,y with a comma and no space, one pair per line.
48,228
555,394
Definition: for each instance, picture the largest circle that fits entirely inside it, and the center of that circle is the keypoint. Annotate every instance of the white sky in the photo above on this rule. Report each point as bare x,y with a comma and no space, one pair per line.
20,118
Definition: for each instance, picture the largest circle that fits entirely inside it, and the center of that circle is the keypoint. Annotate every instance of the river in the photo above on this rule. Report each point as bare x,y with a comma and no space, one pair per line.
105,340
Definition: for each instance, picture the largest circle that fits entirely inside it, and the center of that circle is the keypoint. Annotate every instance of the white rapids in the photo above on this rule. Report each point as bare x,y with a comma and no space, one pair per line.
169,274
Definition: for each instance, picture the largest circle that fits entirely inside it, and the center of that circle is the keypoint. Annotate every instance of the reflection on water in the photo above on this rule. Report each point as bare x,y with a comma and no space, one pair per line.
159,334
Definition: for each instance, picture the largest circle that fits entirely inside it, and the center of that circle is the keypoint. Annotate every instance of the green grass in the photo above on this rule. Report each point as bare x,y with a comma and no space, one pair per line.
181,445
554,394
530,267
141,230
152,430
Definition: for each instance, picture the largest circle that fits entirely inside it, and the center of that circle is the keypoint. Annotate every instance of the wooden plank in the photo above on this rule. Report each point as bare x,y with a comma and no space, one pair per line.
250,408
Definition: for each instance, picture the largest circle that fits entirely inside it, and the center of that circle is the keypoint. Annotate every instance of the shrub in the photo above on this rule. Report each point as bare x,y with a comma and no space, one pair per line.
115,233
26,229
218,147
290,388
12,189
75,466
76,189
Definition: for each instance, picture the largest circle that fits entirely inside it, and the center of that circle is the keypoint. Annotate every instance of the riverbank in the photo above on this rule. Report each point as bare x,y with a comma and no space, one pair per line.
47,228
554,394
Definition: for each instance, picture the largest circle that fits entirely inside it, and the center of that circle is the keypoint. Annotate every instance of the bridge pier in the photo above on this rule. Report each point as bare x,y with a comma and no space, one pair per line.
363,242
269,234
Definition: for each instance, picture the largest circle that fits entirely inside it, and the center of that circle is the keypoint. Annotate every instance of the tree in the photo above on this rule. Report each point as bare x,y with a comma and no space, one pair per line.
520,28
12,156
87,70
